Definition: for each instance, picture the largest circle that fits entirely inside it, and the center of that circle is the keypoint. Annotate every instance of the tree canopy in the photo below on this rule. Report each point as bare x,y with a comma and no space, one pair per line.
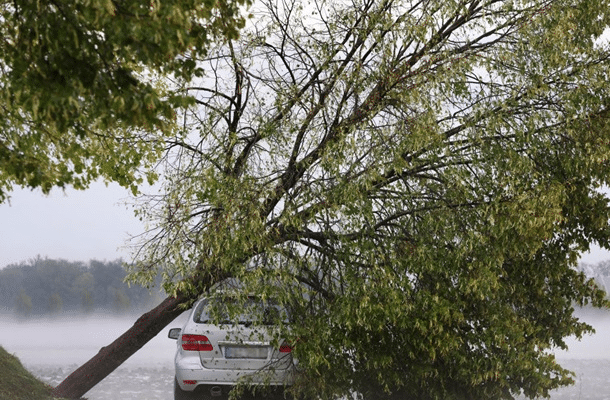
77,89
415,179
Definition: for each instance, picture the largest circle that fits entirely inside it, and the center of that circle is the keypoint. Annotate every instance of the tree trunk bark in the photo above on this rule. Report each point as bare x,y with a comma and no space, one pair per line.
110,357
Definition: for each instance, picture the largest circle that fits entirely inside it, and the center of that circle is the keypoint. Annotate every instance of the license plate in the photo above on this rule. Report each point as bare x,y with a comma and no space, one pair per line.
246,352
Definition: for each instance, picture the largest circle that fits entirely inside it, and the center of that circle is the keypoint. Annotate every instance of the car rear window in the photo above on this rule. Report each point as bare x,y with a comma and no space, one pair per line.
250,310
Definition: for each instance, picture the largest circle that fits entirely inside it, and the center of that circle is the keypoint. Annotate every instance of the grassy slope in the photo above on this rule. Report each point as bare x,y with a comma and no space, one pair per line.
17,383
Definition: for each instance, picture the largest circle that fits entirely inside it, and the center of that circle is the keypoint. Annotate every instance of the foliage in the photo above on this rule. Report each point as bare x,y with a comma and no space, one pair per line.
81,104
415,180
44,286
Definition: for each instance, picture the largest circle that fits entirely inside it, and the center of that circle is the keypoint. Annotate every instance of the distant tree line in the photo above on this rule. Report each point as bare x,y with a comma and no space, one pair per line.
49,286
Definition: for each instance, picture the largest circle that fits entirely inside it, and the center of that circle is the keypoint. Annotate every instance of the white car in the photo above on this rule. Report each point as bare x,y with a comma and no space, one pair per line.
211,359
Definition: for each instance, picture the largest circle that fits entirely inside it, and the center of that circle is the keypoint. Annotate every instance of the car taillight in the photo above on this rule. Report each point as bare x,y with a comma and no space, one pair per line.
196,343
285,348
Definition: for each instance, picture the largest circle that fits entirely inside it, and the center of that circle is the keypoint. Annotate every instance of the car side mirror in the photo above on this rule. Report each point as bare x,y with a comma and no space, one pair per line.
174,333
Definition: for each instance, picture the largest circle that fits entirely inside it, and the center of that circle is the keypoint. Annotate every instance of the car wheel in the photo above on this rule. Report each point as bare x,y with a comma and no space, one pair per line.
180,394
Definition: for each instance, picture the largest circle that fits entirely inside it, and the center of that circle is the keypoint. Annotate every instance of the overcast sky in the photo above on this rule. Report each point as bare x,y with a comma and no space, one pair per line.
76,226
83,225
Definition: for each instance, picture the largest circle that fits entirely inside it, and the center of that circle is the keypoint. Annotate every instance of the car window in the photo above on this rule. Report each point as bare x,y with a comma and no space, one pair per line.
271,312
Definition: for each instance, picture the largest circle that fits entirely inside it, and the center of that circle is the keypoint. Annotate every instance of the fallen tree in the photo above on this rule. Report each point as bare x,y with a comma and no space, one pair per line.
112,356
414,179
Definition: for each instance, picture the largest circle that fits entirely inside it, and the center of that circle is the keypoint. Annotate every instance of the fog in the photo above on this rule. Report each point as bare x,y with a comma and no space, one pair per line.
593,346
67,340
74,339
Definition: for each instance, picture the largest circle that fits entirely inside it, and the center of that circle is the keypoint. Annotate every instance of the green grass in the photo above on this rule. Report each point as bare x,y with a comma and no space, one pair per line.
17,383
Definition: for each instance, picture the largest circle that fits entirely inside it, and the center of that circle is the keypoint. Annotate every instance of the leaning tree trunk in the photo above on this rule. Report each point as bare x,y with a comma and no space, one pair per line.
110,357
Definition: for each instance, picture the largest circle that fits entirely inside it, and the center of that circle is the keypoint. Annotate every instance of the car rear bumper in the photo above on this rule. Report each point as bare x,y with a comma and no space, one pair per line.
222,392
189,379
